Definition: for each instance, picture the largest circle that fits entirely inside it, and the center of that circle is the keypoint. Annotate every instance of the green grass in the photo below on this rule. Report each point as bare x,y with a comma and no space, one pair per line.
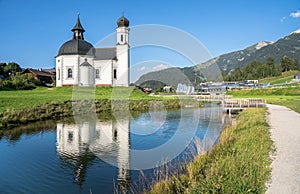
20,99
239,163
287,96
285,77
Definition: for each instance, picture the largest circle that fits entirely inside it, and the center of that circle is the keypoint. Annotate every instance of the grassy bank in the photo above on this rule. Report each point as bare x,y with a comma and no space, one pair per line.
283,78
20,99
285,96
238,164
19,107
58,110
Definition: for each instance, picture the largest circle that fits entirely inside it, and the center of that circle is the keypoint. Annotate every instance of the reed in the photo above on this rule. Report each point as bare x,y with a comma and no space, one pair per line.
239,163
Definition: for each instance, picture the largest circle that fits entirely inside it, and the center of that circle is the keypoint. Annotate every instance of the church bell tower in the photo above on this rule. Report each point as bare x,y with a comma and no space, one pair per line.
121,70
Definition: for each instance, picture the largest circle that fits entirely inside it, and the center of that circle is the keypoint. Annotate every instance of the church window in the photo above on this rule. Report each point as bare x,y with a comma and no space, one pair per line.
70,136
116,135
115,74
70,73
121,37
98,73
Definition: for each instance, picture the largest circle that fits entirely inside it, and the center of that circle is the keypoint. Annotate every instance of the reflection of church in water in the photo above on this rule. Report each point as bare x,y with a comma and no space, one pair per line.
84,142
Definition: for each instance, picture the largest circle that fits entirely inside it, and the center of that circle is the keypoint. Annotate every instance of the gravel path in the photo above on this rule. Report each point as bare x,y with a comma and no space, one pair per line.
285,132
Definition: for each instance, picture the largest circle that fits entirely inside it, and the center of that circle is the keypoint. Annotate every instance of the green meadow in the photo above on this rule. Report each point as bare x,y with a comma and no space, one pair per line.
20,99
288,96
19,107
283,78
283,94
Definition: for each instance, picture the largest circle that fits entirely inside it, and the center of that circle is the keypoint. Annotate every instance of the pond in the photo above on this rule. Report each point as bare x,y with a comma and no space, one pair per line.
105,155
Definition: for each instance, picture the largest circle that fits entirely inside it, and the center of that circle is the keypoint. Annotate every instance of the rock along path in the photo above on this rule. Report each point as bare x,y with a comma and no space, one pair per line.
285,132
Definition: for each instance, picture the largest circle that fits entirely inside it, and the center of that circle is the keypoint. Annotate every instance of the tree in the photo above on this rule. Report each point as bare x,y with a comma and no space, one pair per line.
21,81
2,65
258,70
295,65
270,65
238,74
286,64
11,68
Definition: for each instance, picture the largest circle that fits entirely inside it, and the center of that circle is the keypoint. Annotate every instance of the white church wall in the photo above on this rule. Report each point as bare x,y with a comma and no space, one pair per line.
123,127
84,58
122,78
86,132
111,72
105,72
86,76
68,139
89,76
69,62
59,71
123,66
105,132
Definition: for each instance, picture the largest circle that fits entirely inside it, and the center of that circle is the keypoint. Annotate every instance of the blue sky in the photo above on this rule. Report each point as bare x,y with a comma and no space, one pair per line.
32,31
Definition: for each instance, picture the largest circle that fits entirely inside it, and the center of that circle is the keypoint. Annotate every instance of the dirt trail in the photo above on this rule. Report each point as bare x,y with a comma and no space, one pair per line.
285,132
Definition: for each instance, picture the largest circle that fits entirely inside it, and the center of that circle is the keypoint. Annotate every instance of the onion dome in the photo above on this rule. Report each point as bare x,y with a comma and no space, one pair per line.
77,46
123,22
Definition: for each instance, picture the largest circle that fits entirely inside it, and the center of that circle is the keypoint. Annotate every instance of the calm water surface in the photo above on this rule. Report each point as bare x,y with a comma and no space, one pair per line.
94,157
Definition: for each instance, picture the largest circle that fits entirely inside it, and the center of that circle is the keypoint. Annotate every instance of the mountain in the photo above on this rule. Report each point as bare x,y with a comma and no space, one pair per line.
170,77
288,46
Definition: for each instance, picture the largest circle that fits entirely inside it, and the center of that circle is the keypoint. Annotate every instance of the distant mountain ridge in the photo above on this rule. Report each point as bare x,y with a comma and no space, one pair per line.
288,46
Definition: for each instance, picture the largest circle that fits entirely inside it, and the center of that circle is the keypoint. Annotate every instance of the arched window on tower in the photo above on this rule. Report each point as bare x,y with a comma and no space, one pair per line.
121,37
97,73
58,74
70,73
115,74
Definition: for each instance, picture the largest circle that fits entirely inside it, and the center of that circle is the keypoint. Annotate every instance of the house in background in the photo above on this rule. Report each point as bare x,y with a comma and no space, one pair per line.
44,76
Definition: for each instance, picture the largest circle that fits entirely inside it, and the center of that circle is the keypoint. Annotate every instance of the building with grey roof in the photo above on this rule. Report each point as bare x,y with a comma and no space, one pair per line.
79,63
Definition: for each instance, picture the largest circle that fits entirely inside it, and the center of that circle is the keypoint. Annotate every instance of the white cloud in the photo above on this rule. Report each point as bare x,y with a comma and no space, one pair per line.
283,19
295,14
160,67
143,68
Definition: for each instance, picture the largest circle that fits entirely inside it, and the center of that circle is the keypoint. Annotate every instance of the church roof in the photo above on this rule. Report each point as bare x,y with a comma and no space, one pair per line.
76,47
87,64
78,26
123,21
105,54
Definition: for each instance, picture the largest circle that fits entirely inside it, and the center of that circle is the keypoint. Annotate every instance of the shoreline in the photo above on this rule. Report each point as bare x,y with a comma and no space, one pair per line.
239,163
58,110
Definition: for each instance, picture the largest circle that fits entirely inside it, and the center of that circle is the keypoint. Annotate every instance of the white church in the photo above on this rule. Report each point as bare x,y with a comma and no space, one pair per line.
109,140
78,63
